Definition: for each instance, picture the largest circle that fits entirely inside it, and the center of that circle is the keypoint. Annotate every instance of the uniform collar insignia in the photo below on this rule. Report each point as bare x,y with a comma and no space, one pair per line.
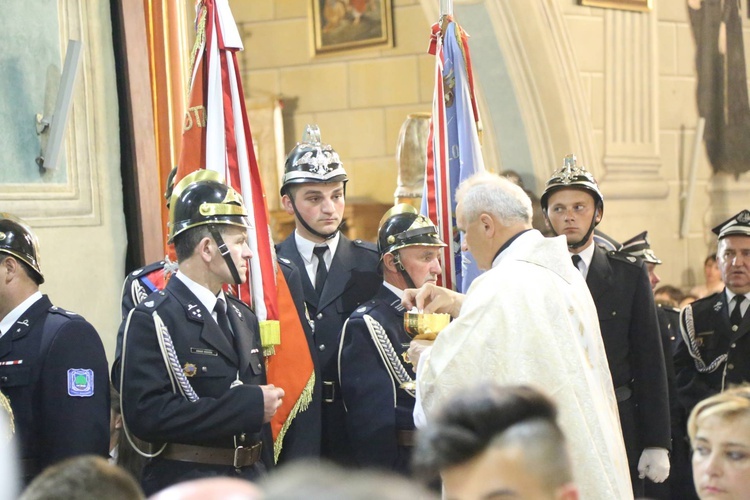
718,306
237,311
195,311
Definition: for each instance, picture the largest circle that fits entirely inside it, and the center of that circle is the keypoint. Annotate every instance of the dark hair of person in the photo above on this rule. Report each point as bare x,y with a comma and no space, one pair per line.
33,275
185,242
672,292
86,477
468,423
710,259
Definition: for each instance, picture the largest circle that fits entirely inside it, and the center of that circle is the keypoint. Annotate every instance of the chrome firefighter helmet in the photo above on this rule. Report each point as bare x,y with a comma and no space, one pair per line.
312,161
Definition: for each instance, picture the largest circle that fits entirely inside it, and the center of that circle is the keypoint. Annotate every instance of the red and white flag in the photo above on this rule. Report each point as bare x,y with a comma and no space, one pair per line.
216,136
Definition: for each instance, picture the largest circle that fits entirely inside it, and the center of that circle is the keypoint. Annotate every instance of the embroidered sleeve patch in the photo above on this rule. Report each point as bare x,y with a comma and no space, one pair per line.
80,382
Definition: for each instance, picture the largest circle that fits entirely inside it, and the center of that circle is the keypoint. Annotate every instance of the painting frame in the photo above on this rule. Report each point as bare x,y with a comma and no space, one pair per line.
634,5
340,26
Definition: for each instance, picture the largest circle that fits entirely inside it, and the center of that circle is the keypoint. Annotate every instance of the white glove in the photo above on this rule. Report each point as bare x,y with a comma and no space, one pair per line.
654,464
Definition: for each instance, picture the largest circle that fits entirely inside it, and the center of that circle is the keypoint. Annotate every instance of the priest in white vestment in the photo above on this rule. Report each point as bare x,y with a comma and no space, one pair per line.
529,319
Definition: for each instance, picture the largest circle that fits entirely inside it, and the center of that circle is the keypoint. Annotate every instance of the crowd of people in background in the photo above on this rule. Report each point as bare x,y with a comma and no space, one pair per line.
566,372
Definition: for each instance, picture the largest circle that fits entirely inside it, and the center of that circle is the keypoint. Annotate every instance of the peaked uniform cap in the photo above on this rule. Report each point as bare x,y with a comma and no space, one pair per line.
639,246
737,225
571,175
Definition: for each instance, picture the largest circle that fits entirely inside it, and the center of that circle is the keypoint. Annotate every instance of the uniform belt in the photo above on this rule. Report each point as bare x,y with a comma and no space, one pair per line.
405,438
242,456
331,391
623,393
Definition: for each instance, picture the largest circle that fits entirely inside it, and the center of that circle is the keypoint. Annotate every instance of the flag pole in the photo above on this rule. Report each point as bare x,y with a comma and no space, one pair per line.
446,8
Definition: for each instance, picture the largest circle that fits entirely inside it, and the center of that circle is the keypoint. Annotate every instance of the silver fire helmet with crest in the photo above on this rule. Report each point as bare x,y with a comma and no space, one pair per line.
574,176
311,161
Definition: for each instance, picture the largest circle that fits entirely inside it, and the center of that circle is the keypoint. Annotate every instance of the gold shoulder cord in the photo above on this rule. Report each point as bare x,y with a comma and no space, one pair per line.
5,405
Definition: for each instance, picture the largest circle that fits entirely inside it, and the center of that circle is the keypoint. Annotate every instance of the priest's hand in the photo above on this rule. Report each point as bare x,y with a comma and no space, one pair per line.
433,299
417,347
654,464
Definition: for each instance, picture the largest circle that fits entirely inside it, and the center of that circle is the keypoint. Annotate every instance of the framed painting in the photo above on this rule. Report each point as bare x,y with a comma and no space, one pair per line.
637,5
344,25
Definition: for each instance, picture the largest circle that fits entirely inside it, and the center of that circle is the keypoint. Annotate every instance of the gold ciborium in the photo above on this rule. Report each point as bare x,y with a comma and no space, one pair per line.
421,326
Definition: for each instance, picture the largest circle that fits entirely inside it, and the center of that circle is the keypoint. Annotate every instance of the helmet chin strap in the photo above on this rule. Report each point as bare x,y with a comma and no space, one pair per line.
402,270
308,227
224,250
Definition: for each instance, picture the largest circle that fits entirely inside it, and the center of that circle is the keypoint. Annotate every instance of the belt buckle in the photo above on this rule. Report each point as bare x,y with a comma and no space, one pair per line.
235,461
330,384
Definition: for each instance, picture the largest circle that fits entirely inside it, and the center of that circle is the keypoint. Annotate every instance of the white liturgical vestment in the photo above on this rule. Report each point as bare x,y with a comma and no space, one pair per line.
531,320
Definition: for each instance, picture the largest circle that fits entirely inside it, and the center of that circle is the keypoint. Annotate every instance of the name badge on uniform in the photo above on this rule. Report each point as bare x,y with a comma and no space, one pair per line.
80,382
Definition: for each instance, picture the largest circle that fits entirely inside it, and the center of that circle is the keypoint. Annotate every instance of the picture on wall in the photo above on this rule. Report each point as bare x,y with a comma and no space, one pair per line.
639,5
343,25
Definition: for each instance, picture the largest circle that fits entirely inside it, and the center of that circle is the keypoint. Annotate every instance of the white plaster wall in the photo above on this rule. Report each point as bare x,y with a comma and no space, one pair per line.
82,256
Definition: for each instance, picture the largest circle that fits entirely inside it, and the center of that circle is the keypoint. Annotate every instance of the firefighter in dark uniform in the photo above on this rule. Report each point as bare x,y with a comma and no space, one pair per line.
302,438
193,380
375,376
142,282
680,481
715,353
52,363
620,287
337,274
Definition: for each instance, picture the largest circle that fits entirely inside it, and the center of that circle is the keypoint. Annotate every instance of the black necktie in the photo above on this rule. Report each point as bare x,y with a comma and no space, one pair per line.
221,318
576,260
736,317
322,272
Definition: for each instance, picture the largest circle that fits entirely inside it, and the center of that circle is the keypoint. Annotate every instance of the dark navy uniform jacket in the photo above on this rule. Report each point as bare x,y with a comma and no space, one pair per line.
724,354
372,370
302,439
54,371
621,290
352,279
155,413
138,285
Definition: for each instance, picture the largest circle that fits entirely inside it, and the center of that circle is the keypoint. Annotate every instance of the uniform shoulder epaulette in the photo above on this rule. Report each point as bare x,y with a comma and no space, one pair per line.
153,301
148,268
709,301
624,257
64,312
284,262
366,245
668,308
365,308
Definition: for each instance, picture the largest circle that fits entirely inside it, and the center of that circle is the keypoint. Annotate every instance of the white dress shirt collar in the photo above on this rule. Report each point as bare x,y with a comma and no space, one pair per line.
17,311
586,255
